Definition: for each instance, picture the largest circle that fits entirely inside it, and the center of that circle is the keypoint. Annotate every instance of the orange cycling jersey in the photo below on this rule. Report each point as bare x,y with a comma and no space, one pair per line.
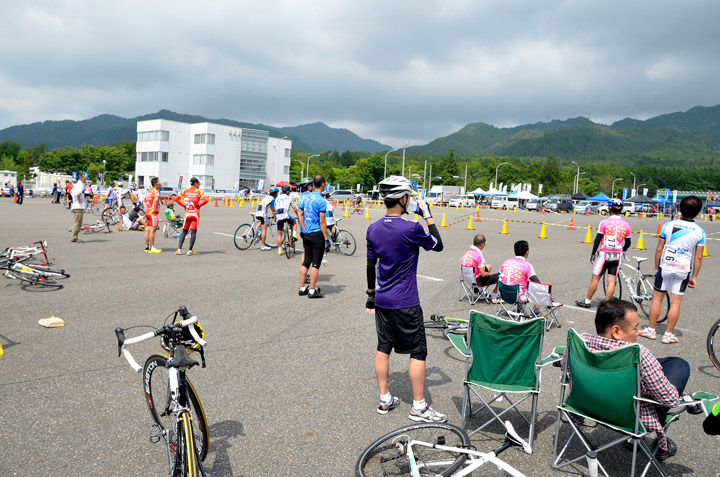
150,201
192,199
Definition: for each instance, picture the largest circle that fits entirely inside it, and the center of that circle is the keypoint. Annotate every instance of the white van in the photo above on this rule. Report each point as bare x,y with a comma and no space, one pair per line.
504,203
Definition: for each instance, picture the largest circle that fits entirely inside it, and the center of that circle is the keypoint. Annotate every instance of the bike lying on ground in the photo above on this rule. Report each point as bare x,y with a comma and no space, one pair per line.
433,449
174,405
98,226
25,253
40,275
640,288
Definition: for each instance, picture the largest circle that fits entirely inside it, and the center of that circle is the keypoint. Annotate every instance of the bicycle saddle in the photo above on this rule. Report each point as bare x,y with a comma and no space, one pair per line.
181,359
640,259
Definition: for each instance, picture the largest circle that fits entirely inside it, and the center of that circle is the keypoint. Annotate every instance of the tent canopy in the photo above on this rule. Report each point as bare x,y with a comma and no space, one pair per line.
580,196
600,197
523,195
640,199
478,191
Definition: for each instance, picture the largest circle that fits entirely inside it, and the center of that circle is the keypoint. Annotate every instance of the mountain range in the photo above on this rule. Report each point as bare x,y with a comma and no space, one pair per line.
686,137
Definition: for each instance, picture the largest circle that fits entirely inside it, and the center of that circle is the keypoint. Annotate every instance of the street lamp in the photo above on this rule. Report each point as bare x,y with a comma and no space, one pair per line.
386,155
633,180
612,193
496,169
276,158
639,186
576,185
308,162
403,164
302,168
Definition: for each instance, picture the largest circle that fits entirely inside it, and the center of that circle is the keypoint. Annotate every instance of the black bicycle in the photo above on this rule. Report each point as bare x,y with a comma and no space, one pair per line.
342,240
711,344
174,405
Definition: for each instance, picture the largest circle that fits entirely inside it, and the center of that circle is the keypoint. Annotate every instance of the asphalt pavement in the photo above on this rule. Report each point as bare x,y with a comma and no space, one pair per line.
289,387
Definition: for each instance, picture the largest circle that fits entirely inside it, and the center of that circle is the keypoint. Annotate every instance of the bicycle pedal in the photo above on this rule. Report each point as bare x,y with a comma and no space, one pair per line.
155,433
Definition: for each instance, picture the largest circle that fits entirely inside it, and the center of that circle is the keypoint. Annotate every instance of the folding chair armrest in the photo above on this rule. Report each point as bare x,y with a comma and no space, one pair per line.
702,396
651,401
458,340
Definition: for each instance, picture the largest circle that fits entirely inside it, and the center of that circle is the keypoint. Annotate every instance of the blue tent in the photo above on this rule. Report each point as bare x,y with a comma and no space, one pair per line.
601,197
662,201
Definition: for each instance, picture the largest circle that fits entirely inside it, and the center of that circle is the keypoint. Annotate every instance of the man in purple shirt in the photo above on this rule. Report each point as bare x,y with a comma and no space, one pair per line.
393,248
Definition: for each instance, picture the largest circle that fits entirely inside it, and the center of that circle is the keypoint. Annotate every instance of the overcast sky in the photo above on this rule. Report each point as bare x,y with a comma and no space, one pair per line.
386,70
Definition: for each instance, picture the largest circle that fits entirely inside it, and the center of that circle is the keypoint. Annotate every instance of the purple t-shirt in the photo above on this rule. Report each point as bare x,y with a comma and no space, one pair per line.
396,243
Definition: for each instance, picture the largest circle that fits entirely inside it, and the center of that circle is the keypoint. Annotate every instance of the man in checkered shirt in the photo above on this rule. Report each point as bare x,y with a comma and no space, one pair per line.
662,380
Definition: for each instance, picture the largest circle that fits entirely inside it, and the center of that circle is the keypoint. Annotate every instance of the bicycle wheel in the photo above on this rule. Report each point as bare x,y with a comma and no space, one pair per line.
244,236
109,216
45,270
35,278
388,455
711,344
645,289
189,462
618,285
157,393
345,243
289,244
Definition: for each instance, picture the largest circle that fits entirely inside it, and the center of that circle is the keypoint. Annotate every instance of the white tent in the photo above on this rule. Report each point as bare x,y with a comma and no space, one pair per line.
524,195
478,191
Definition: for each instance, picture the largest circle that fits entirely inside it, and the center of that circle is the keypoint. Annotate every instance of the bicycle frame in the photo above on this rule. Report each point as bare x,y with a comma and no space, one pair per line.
631,282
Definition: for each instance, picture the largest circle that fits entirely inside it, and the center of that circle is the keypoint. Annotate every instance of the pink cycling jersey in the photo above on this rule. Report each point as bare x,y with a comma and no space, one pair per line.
615,230
516,271
473,258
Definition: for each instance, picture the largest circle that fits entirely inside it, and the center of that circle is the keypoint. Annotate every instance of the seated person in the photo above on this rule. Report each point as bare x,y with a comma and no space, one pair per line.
517,270
662,380
136,219
125,222
172,219
474,258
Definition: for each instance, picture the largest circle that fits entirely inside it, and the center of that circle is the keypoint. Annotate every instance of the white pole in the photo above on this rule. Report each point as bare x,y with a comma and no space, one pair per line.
403,164
386,155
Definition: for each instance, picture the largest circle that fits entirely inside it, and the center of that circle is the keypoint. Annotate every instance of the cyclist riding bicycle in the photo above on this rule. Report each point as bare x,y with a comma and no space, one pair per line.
613,240
265,205
283,204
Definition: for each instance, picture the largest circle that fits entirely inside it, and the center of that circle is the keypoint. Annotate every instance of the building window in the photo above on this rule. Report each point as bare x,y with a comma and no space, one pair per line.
204,139
205,182
286,170
203,159
152,156
253,145
287,152
143,136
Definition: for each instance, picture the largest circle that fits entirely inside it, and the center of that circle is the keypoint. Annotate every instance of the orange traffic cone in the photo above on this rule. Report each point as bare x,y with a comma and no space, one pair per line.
572,224
216,204
14,198
477,218
657,234
95,199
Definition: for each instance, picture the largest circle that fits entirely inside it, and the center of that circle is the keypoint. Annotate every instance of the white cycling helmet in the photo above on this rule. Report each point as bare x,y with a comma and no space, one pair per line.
394,187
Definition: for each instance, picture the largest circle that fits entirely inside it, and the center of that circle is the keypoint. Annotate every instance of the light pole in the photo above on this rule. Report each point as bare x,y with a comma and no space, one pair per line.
403,165
276,158
465,186
302,168
637,192
386,155
496,169
612,192
308,162
576,184
633,180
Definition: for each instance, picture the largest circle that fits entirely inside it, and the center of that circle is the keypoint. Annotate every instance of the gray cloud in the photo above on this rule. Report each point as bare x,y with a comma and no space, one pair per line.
386,70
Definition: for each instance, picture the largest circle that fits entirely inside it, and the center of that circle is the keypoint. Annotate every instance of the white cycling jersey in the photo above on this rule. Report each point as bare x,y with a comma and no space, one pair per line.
262,208
282,207
681,236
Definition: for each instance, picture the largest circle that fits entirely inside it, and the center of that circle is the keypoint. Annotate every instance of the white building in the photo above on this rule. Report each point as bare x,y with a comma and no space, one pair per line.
45,180
221,157
8,178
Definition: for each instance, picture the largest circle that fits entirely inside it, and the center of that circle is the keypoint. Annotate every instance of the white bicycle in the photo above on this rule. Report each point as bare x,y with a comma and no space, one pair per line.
434,449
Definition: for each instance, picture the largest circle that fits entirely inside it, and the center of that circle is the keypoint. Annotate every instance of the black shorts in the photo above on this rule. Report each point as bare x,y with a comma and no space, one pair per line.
489,280
402,330
260,219
281,223
314,246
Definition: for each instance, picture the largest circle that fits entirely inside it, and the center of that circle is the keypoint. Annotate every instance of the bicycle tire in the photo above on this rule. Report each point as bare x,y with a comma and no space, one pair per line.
618,285
289,244
244,236
646,288
35,278
190,465
109,216
156,388
345,243
384,457
711,344
44,269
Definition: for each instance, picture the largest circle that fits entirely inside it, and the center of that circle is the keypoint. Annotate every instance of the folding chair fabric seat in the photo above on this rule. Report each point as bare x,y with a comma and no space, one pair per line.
503,357
510,303
469,289
540,294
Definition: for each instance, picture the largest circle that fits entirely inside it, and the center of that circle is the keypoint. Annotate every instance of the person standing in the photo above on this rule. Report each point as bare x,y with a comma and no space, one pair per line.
393,249
678,258
311,215
54,194
613,239
152,209
20,193
77,193
192,199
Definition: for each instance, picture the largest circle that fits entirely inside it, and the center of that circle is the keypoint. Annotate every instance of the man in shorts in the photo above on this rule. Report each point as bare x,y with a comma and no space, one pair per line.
283,205
306,188
393,249
474,259
311,215
613,240
192,199
152,211
266,211
678,258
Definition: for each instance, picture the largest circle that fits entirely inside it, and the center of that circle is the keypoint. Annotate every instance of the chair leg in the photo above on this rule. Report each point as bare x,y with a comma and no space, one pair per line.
466,403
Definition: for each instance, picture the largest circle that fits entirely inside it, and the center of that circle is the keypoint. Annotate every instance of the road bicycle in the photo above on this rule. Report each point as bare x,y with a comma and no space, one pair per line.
174,405
342,240
249,234
444,322
40,275
98,226
25,253
288,242
357,208
640,288
434,449
711,344
110,215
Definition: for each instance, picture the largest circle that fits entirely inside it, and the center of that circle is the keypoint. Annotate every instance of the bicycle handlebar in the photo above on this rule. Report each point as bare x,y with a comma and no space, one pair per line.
123,342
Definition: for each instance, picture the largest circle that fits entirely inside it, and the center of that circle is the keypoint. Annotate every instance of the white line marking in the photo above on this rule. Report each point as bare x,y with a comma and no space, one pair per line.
220,233
431,278
578,308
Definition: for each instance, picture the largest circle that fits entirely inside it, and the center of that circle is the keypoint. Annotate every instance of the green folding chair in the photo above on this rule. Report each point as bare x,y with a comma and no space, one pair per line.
503,360
510,304
606,389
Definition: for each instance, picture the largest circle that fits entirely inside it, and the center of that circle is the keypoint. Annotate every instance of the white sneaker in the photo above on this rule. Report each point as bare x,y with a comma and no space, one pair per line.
427,415
265,248
648,333
178,252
